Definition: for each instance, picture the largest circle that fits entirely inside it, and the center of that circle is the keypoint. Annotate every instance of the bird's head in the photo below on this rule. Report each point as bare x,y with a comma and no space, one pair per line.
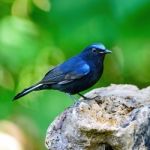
95,50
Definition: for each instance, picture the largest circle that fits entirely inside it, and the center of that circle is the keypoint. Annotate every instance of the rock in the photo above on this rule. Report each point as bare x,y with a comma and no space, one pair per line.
116,118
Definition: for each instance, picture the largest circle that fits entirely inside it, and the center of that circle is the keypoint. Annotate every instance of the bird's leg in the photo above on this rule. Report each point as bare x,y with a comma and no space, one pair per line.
84,97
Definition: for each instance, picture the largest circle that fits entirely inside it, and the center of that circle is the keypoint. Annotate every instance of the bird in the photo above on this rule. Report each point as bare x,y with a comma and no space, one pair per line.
75,75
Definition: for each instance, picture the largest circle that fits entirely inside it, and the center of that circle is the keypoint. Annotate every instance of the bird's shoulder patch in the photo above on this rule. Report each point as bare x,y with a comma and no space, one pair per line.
76,74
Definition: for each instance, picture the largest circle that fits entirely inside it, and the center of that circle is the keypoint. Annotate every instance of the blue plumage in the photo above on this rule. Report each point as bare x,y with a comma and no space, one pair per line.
74,75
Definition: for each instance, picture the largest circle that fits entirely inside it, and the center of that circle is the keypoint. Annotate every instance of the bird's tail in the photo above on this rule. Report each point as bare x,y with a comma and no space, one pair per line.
27,91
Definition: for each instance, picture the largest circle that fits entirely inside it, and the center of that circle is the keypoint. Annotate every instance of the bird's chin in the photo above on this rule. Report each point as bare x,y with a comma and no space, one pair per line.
102,54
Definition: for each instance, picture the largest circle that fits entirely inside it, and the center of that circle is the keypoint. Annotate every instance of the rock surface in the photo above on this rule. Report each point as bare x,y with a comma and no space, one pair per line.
116,118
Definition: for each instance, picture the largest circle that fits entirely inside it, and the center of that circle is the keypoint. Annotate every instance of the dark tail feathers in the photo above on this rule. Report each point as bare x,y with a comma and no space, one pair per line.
28,90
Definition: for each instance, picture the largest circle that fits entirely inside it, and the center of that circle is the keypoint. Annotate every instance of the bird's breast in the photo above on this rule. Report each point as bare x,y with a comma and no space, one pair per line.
96,72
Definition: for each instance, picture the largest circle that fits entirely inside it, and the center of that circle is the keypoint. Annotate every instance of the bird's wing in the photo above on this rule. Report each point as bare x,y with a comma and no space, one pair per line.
74,68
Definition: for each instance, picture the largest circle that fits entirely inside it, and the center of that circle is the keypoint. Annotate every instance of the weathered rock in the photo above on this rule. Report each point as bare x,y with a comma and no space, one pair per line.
117,118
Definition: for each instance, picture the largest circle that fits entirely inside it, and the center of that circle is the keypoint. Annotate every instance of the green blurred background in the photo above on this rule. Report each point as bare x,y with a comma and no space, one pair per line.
36,35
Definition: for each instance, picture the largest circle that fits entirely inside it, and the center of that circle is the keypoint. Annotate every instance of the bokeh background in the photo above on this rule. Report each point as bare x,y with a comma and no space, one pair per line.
36,35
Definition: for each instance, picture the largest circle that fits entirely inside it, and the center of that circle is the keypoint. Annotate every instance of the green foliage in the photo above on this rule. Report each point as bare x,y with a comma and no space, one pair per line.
36,35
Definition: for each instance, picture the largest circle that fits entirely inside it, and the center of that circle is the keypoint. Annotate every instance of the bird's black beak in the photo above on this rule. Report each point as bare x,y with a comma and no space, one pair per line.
107,51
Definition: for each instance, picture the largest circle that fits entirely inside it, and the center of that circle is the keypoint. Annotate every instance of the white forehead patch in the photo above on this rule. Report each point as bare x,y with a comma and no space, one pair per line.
100,46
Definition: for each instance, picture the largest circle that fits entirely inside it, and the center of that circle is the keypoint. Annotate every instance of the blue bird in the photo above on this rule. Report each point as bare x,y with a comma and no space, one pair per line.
74,75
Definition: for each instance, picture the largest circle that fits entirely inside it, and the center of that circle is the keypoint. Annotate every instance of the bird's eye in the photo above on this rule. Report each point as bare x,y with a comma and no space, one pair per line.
94,50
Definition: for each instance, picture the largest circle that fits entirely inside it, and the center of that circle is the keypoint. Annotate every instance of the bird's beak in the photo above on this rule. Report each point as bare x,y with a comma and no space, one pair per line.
107,51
